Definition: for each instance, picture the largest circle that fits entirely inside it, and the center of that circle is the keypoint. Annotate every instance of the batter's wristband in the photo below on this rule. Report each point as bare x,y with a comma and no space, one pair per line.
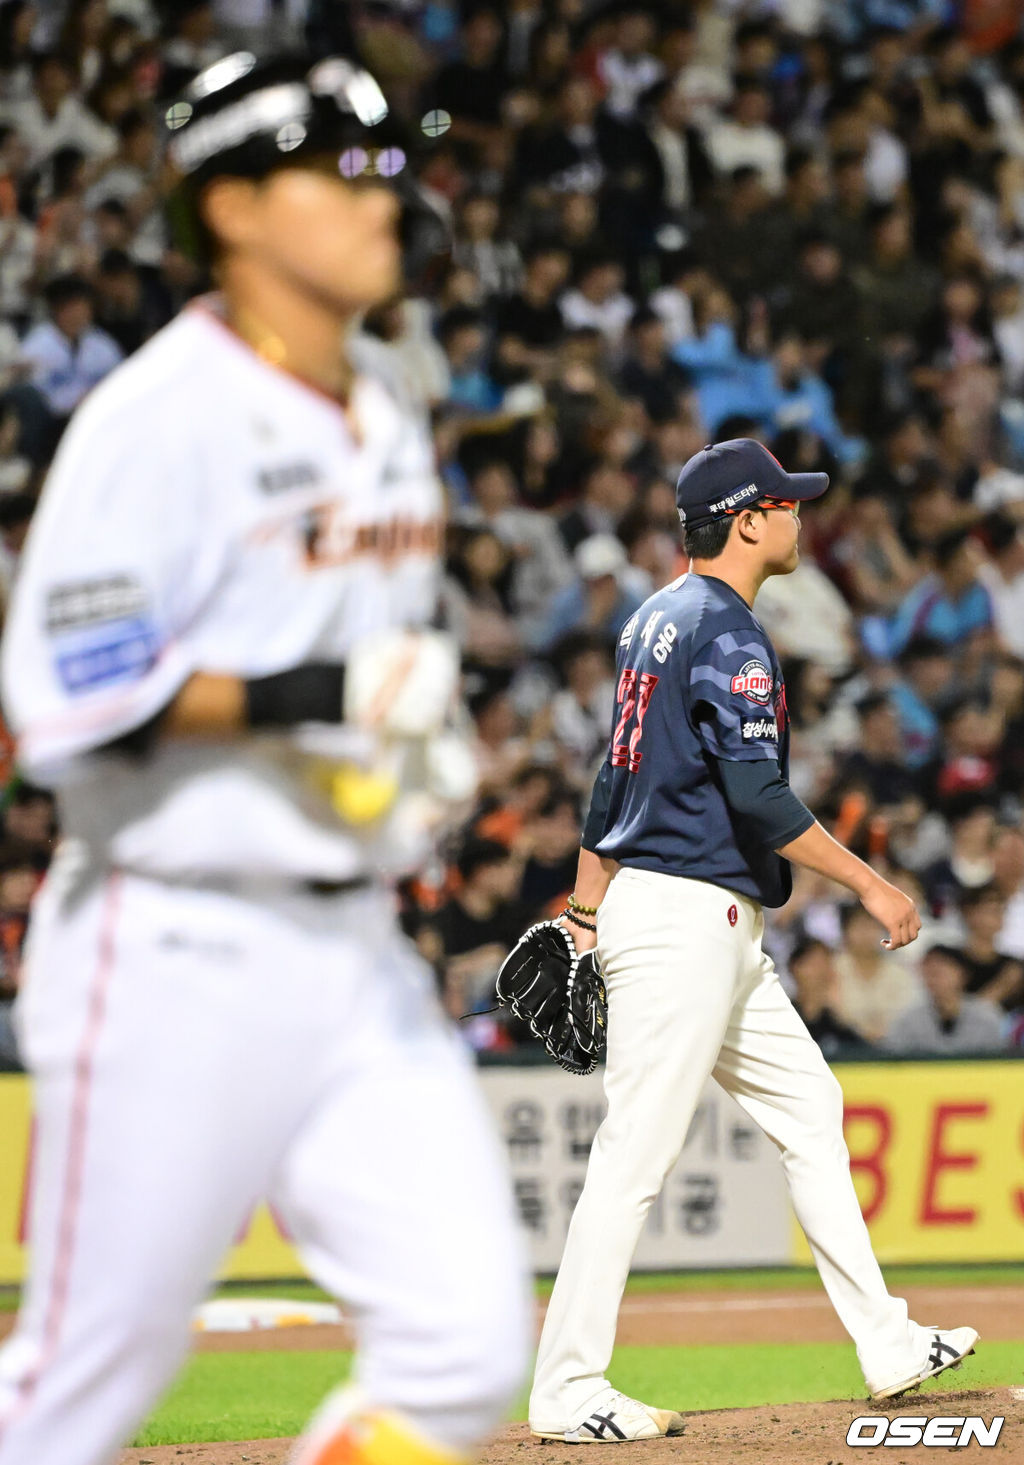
311,693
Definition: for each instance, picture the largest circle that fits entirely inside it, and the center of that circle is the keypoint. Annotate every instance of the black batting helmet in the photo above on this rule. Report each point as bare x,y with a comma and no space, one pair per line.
245,118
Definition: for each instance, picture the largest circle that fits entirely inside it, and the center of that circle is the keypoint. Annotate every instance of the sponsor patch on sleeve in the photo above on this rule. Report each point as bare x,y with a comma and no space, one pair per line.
759,727
755,682
103,632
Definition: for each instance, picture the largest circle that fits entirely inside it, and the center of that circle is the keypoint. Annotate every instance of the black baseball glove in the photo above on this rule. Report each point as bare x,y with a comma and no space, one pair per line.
547,984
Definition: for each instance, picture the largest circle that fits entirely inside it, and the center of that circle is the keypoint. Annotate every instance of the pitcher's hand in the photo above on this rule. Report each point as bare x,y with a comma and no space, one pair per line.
893,910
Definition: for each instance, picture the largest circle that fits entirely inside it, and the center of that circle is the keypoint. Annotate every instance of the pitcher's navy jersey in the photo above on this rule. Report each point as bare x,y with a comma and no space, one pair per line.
698,680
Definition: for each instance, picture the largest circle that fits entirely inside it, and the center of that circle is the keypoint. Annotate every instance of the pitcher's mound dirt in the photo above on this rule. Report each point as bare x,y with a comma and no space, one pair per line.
790,1434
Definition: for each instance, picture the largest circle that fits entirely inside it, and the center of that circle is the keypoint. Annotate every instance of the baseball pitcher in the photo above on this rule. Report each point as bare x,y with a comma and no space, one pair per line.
690,833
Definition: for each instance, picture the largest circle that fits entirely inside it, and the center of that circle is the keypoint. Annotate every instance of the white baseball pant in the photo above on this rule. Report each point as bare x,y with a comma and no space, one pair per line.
194,1052
691,992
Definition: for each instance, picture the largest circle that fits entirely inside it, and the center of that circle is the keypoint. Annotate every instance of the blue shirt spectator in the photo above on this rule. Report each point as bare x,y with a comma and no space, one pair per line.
950,606
602,599
67,354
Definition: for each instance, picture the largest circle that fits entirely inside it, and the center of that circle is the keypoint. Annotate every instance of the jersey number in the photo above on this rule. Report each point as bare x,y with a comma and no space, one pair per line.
633,696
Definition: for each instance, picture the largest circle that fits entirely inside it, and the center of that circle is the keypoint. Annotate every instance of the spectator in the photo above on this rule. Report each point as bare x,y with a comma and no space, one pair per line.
897,291
802,210
606,495
17,23
567,153
529,325
648,372
685,170
789,394
129,308
951,605
463,340
970,761
1003,578
628,68
1007,298
472,87
970,861
874,568
945,1021
478,599
480,923
130,177
729,242
54,117
872,984
812,967
603,597
990,973
68,354
927,668
17,257
552,839
747,139
540,564
822,307
597,300
681,276
903,446
581,711
850,215
495,262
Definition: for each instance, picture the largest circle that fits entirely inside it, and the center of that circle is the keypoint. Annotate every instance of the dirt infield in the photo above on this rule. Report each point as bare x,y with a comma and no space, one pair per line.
796,1434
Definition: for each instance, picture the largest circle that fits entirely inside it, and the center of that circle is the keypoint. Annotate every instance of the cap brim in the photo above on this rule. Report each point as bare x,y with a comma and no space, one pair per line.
804,486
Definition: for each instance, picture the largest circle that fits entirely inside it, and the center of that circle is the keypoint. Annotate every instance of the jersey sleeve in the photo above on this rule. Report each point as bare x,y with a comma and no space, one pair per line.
121,556
732,687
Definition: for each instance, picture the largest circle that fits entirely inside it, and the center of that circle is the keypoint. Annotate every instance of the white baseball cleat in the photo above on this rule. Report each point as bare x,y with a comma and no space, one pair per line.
617,1418
947,1348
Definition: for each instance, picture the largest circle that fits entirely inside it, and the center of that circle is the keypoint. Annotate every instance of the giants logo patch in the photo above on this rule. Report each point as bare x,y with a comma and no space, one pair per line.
754,681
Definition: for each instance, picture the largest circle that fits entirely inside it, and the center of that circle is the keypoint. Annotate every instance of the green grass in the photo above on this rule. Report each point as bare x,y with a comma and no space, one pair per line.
238,1396
794,1278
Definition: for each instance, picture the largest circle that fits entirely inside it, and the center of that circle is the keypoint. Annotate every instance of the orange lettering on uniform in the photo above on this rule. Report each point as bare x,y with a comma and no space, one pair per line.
939,1159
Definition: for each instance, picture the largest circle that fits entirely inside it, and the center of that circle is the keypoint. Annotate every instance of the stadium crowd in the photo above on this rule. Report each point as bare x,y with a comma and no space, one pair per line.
674,222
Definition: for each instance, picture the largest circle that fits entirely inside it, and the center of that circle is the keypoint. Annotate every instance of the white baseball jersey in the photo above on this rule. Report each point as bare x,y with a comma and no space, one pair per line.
208,512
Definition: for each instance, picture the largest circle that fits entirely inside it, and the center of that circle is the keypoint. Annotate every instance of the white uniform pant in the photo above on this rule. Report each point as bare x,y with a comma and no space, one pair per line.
692,993
194,1052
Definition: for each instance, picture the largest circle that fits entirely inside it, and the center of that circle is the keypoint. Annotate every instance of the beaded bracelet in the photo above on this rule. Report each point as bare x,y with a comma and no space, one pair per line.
584,925
583,910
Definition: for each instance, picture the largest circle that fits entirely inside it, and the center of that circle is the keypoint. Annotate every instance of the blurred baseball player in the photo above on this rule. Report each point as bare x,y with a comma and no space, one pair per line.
689,835
212,657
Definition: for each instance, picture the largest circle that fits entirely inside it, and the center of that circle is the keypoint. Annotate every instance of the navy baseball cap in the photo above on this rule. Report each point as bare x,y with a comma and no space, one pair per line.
725,477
